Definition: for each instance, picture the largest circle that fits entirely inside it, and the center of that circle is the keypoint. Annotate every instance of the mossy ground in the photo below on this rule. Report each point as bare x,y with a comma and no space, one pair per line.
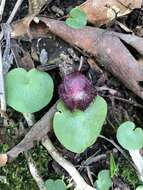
128,174
16,175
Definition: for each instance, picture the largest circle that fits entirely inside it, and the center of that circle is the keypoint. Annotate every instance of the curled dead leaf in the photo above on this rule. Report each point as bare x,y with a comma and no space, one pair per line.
29,27
107,48
21,28
22,56
101,12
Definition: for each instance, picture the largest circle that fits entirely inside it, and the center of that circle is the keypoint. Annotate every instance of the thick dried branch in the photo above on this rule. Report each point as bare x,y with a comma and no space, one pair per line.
36,133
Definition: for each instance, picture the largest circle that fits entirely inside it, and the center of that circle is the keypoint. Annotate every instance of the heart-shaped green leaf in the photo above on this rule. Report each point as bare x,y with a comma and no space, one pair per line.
28,92
104,181
55,185
139,187
78,130
77,19
129,137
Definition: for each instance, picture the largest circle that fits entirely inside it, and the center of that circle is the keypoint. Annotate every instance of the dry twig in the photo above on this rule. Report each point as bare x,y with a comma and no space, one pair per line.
80,182
34,172
14,11
2,89
2,6
31,164
119,149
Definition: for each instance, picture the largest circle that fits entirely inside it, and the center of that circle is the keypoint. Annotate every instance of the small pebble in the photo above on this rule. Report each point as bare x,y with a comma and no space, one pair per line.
43,57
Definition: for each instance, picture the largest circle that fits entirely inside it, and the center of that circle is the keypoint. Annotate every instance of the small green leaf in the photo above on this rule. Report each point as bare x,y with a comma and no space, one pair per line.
139,187
77,19
129,137
4,148
55,185
113,166
104,181
78,130
28,92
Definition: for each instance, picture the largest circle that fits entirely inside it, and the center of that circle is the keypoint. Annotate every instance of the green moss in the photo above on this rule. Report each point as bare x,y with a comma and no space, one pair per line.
16,175
128,174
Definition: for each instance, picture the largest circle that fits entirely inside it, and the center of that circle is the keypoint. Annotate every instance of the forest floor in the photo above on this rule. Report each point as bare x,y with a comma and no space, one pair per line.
122,105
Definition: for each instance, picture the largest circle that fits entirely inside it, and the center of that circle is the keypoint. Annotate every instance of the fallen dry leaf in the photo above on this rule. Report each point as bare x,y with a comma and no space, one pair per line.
22,57
21,28
107,48
35,6
101,12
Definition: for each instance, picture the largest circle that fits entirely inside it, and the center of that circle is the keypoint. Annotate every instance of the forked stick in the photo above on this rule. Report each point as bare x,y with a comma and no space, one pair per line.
80,182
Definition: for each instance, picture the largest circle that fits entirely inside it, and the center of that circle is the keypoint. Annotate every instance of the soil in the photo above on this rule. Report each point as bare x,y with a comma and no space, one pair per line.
122,105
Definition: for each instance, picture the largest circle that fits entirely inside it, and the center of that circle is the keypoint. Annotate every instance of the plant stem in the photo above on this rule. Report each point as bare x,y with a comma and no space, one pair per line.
138,161
14,11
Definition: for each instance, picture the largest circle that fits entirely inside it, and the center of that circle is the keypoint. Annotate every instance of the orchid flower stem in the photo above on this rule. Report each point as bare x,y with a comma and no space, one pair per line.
138,161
